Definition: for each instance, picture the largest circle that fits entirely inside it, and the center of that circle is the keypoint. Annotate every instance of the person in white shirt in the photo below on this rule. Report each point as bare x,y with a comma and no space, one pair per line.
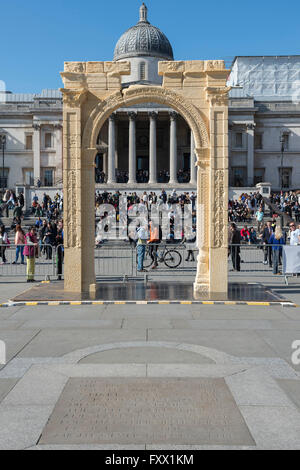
294,234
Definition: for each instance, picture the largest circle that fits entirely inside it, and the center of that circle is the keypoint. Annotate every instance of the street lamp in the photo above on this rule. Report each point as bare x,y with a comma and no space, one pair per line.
2,145
282,141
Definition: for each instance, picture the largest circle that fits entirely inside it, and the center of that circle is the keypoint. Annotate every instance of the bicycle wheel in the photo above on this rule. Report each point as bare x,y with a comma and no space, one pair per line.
172,259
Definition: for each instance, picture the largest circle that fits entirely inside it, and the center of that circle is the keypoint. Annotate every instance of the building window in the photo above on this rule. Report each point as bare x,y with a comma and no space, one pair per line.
4,178
285,178
259,175
142,71
238,177
238,140
258,141
28,176
285,141
28,142
48,177
48,140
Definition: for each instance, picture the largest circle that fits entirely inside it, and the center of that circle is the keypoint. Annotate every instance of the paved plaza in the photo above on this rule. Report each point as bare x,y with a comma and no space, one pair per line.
150,376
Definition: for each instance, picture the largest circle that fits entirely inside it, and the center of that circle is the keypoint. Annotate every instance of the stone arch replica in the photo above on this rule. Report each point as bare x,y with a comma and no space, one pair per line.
195,89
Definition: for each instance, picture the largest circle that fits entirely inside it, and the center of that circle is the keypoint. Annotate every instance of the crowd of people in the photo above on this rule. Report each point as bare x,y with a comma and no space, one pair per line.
248,209
42,236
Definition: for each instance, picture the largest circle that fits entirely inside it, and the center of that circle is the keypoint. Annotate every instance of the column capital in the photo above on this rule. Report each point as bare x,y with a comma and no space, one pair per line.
173,115
132,115
251,126
113,117
153,114
36,126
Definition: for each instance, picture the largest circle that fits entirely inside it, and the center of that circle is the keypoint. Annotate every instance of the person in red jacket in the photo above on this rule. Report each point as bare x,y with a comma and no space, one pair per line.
245,234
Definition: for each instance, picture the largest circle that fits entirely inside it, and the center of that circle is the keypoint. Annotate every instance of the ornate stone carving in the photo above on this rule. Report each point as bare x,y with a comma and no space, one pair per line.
36,126
73,98
153,115
72,210
211,65
115,69
132,115
75,67
218,96
219,209
95,67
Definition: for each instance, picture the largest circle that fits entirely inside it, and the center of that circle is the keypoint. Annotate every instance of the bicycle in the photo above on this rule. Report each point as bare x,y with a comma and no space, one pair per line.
171,257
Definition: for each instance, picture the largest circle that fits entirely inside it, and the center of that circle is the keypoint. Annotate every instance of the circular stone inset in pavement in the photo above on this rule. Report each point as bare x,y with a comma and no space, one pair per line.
145,355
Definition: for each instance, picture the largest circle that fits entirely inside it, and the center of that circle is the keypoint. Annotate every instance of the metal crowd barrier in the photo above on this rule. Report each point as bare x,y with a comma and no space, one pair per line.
121,261
254,259
114,261
44,268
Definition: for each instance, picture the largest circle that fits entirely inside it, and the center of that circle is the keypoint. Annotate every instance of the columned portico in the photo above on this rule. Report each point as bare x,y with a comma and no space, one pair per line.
173,148
111,177
152,149
132,148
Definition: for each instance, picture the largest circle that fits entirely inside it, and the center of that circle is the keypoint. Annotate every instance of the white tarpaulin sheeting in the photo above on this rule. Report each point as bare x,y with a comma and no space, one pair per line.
268,78
291,259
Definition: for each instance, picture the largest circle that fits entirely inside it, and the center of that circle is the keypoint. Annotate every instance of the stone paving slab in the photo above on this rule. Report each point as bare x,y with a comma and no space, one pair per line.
243,342
292,389
70,324
21,426
273,426
194,411
55,342
16,340
6,385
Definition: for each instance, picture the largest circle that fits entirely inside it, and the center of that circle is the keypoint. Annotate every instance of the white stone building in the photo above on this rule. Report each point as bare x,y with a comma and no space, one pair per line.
32,126
264,121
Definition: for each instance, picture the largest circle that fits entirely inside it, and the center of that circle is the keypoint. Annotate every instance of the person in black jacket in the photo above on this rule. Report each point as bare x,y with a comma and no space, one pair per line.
266,235
235,241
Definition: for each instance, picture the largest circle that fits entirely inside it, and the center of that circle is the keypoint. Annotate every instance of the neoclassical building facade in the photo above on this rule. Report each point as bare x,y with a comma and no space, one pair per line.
150,145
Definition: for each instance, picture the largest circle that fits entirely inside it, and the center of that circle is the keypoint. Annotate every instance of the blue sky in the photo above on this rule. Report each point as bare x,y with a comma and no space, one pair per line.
37,37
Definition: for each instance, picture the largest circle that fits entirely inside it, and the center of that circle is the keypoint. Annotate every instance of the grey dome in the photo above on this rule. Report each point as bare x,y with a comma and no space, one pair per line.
143,39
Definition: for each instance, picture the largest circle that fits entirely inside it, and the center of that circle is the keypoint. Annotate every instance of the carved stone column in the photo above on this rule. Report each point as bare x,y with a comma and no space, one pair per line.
173,148
194,168
132,148
218,237
79,196
36,152
111,178
152,149
201,286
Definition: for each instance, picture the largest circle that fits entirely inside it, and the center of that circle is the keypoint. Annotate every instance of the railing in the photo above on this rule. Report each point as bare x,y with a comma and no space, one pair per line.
254,259
45,263
120,261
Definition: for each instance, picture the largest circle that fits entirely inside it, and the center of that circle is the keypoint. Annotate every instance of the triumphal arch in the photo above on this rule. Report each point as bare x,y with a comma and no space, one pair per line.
195,89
